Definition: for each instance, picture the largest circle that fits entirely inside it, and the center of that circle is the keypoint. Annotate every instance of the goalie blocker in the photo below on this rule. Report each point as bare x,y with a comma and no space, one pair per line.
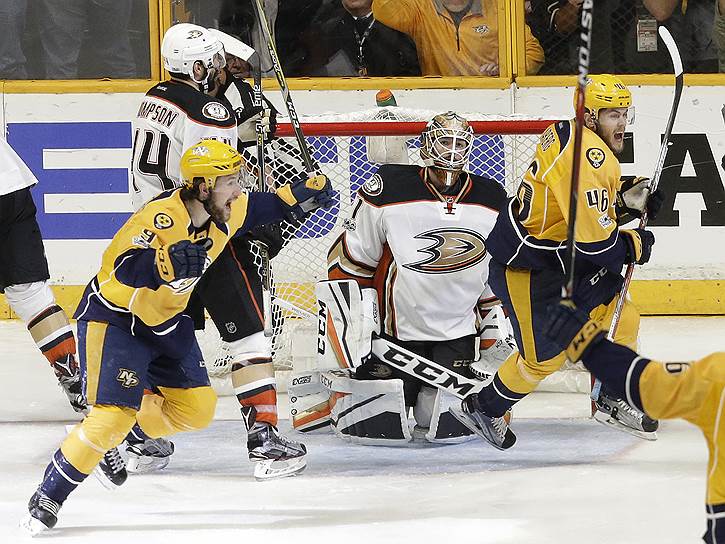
367,383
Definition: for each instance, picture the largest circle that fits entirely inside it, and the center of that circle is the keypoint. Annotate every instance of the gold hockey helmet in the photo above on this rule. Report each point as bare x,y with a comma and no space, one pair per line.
209,159
604,91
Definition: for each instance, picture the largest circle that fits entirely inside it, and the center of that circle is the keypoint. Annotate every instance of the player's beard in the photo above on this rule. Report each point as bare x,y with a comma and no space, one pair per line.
218,213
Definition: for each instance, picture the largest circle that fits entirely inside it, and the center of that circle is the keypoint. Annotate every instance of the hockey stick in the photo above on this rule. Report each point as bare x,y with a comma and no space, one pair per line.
584,55
262,186
424,369
289,105
677,68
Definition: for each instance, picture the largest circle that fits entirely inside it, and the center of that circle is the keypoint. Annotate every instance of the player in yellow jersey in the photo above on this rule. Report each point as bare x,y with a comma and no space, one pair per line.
527,246
133,332
693,391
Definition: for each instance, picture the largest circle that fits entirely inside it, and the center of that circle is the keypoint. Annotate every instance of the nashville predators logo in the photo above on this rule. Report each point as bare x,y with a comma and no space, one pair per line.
127,378
453,249
163,221
595,156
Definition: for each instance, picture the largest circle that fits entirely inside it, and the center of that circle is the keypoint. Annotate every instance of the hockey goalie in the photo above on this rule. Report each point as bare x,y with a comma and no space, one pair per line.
406,303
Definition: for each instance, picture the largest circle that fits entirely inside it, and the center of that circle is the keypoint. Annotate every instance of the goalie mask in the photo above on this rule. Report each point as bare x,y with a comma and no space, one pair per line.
185,44
446,143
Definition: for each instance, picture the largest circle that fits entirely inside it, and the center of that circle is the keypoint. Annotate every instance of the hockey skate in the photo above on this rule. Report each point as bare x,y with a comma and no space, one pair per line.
618,414
148,455
42,514
69,378
494,430
111,470
274,455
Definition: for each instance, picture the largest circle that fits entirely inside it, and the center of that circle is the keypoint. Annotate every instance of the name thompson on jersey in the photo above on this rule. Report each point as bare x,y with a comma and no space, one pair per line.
172,117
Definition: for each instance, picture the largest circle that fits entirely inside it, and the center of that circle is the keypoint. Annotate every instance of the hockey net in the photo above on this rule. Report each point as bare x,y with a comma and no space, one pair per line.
349,149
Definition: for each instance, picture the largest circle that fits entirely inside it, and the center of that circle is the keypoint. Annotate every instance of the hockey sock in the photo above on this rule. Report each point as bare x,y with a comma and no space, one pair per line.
60,478
136,435
53,334
255,387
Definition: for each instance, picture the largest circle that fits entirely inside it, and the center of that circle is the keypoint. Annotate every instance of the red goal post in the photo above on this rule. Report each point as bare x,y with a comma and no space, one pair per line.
348,148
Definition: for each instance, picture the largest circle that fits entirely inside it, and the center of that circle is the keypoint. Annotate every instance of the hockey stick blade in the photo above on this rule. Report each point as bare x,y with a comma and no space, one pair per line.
424,369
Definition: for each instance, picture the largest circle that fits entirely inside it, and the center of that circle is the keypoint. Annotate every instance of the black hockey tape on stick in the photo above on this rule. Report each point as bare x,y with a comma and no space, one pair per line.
677,69
584,55
291,111
424,369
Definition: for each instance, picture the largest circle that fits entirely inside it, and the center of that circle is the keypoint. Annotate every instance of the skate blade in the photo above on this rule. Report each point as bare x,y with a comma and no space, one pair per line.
470,423
31,526
272,468
139,465
609,421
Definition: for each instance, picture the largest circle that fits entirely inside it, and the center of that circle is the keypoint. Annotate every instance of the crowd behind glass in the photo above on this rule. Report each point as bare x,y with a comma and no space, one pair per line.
76,39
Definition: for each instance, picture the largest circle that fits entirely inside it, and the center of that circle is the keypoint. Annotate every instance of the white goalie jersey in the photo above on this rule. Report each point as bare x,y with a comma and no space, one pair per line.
172,117
423,251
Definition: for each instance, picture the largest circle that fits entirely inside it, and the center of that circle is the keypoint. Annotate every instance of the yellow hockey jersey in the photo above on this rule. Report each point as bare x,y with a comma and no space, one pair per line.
695,392
134,290
532,232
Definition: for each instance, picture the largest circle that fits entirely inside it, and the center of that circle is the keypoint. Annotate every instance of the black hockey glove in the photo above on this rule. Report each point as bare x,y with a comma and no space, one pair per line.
634,196
639,245
184,259
304,196
572,330
269,235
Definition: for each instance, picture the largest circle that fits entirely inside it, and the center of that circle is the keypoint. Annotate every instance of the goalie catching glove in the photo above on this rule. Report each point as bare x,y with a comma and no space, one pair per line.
305,196
634,197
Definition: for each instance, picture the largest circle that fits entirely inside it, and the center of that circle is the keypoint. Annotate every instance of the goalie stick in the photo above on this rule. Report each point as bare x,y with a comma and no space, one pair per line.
424,369
677,69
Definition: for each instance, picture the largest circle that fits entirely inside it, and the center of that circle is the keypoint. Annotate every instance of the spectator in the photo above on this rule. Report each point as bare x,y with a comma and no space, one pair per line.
454,37
12,25
718,33
286,20
629,43
346,40
691,25
62,28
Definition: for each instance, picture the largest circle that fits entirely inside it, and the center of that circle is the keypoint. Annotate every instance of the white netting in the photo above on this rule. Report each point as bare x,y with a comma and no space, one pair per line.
348,149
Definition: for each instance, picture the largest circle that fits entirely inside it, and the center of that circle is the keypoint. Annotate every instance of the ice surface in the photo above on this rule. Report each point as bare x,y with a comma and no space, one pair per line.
567,480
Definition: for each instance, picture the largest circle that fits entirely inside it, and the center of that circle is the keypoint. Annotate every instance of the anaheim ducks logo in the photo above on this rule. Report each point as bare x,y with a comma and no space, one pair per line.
452,250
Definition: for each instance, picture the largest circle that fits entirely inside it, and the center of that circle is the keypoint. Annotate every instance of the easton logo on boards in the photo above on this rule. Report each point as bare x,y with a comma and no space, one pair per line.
595,156
215,110
163,221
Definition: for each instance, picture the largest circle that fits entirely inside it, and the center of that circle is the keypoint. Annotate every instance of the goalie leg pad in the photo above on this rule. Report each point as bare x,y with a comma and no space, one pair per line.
431,413
309,402
370,412
347,319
